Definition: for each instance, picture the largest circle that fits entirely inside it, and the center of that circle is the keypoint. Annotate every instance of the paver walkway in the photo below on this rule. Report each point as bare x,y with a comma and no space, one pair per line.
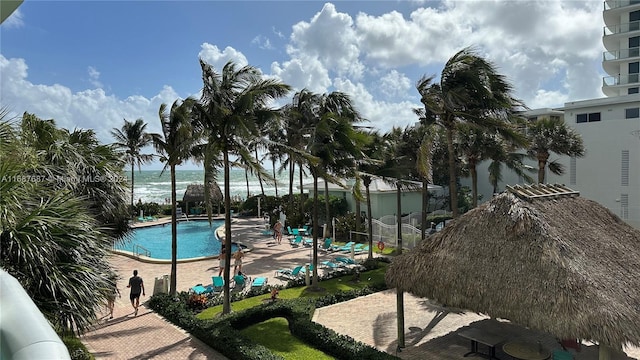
430,332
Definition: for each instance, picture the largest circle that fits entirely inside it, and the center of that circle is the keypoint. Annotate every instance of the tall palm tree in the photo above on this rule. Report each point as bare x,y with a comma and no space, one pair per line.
233,104
549,135
470,90
509,156
175,145
132,138
338,146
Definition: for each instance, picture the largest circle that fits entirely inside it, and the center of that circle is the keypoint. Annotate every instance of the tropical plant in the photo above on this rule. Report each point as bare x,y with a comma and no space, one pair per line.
132,138
63,200
551,134
232,110
470,90
175,145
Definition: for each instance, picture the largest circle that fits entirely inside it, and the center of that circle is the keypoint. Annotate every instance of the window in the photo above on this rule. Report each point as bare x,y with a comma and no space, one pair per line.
590,117
581,118
633,90
632,113
594,117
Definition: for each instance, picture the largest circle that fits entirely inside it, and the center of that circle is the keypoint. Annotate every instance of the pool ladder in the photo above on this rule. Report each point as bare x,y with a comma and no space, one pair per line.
141,250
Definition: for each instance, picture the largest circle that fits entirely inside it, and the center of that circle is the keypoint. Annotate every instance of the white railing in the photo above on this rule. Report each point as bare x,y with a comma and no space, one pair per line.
388,234
141,250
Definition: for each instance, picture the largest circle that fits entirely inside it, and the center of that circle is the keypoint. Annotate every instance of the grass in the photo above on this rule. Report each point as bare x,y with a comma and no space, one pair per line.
330,286
274,335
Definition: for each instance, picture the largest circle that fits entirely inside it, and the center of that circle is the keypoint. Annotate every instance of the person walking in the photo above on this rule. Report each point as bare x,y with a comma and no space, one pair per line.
237,257
223,260
277,231
111,297
137,286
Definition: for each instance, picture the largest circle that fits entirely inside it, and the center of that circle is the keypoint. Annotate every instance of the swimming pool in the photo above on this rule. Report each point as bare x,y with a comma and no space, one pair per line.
195,239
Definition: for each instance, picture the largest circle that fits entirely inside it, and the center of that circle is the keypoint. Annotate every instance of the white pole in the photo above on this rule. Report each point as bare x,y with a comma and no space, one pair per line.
258,206
333,225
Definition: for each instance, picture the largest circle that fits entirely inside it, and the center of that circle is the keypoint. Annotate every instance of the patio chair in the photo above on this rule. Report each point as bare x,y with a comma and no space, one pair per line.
200,290
345,247
331,265
362,250
259,283
356,248
218,283
345,260
289,273
326,245
240,281
141,219
297,241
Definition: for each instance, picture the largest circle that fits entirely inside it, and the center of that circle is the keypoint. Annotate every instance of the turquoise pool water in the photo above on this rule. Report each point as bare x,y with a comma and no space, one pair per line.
195,239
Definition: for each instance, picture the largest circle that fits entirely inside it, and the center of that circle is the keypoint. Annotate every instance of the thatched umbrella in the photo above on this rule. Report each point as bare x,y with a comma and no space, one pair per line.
195,194
554,262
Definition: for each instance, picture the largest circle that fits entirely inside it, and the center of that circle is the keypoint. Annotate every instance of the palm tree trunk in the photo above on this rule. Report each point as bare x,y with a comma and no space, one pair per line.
358,220
369,223
314,282
425,204
474,183
275,179
226,304
453,191
132,172
327,210
301,190
542,164
259,176
246,178
174,233
292,172
399,293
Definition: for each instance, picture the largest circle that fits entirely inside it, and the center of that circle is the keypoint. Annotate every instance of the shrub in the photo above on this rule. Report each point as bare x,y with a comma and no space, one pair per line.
76,349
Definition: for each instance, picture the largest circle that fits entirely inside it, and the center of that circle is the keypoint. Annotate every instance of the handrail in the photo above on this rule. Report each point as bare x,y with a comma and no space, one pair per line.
144,251
25,332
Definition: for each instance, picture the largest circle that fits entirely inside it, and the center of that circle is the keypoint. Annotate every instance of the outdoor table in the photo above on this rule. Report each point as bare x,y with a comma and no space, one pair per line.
526,351
478,336
302,231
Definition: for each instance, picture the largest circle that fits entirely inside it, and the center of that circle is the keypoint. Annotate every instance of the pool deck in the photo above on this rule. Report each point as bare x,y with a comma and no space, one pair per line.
430,332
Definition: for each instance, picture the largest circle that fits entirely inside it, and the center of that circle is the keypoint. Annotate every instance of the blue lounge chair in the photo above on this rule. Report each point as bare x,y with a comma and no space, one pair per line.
332,265
259,283
289,273
296,241
141,219
345,260
239,281
356,248
362,250
199,289
326,245
218,283
344,247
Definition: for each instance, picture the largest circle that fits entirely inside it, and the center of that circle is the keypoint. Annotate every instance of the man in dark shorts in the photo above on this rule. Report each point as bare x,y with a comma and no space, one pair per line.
137,286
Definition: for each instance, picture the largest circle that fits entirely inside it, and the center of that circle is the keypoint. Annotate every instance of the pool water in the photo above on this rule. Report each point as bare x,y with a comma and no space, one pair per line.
195,239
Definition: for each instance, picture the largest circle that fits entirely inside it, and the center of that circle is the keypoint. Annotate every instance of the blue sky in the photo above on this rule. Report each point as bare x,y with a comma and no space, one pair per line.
89,64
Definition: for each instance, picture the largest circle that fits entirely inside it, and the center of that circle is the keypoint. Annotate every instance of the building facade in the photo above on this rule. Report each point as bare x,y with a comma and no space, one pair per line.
621,39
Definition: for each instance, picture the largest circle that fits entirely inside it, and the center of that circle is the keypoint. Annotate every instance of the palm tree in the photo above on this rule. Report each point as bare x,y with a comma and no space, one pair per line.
232,107
506,154
48,222
175,145
549,135
131,138
471,91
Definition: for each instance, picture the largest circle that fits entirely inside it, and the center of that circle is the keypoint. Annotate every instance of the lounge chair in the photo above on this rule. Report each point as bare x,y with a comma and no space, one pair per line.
362,250
296,241
199,289
240,281
345,260
218,283
356,248
141,219
289,273
332,265
326,245
150,218
345,247
259,283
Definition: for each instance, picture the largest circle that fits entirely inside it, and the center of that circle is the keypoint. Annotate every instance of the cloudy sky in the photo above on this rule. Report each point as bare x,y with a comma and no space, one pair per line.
92,64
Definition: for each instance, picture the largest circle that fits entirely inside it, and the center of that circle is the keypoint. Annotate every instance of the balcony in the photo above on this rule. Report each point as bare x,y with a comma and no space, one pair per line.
621,54
618,85
621,28
615,4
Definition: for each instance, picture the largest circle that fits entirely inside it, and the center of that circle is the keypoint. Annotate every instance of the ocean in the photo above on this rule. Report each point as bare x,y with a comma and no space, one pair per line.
150,186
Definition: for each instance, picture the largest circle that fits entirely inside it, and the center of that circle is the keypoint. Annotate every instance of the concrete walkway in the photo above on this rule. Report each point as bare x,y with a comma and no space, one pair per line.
430,332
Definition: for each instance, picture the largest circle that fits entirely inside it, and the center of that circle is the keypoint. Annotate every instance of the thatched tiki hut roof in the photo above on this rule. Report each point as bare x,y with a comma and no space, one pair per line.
561,264
195,193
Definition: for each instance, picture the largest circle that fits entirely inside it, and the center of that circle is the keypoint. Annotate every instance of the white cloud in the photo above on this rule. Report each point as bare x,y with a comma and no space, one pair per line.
216,58
87,109
303,72
262,42
94,76
394,84
14,21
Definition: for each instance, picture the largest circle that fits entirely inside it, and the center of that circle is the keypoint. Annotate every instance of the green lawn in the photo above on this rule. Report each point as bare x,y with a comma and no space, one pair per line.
331,286
274,335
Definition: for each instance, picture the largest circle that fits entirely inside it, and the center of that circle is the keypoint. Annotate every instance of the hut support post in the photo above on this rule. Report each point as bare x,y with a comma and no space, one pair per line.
603,352
400,294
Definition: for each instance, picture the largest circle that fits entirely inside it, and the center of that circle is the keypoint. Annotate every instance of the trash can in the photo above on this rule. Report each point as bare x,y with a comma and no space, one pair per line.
161,285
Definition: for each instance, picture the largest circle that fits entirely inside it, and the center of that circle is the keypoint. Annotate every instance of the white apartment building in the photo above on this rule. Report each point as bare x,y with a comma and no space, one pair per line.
609,173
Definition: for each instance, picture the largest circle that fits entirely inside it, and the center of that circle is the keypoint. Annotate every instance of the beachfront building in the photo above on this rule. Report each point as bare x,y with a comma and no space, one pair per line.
383,197
621,39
